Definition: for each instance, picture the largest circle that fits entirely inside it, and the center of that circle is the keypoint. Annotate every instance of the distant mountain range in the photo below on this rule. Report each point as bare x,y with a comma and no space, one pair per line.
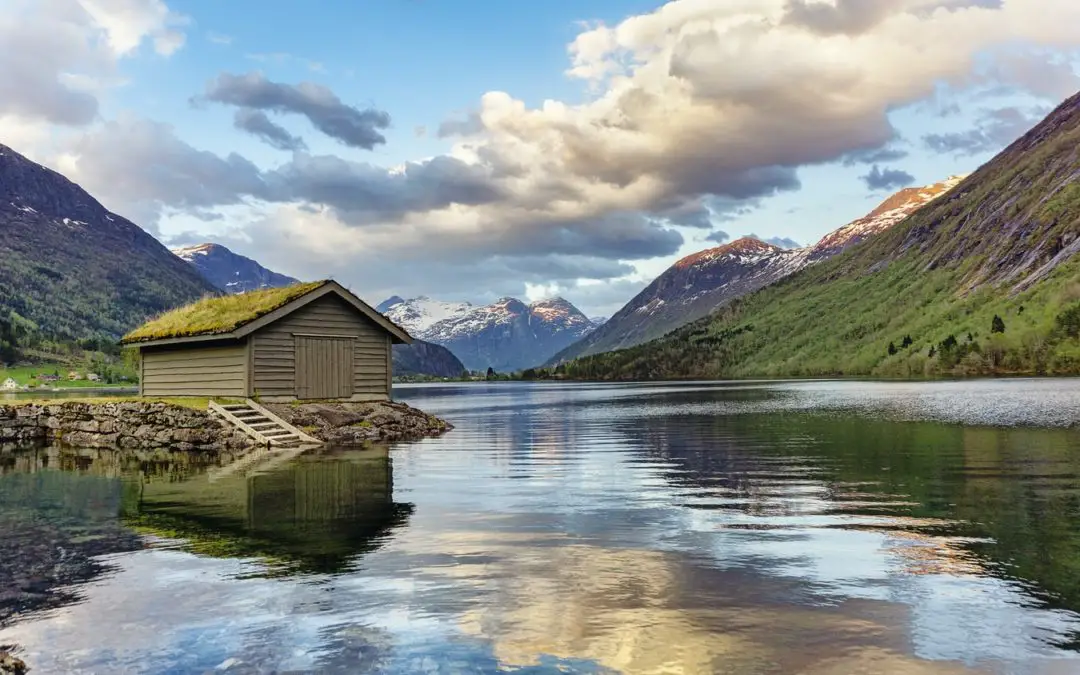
507,335
229,271
980,280
70,269
700,283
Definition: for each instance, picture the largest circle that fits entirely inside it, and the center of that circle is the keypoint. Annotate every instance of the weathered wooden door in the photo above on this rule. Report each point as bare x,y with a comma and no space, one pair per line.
324,367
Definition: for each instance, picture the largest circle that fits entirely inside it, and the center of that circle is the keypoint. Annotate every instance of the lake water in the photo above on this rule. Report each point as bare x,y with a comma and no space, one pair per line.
809,527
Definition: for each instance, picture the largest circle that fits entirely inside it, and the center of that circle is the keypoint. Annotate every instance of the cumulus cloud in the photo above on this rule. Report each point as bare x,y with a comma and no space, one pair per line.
146,170
256,122
140,168
1043,72
845,17
887,179
467,126
718,237
56,54
128,22
347,124
995,129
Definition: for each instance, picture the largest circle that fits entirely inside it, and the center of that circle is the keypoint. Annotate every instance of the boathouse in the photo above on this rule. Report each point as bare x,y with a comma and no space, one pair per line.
307,341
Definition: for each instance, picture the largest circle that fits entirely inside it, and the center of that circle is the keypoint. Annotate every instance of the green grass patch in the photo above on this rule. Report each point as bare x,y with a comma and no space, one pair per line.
212,316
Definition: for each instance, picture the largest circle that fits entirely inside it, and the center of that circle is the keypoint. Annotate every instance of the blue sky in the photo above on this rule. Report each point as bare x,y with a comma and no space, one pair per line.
678,122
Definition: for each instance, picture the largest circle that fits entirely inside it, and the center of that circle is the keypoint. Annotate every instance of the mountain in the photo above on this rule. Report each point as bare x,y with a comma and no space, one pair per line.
419,314
507,335
982,280
229,271
889,213
699,283
425,358
70,269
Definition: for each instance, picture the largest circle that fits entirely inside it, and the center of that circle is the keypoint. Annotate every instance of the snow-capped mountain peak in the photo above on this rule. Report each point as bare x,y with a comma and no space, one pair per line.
506,334
230,271
888,213
418,314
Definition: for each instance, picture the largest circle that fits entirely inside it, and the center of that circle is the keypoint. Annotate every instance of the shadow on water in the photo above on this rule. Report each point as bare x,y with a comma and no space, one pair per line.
63,512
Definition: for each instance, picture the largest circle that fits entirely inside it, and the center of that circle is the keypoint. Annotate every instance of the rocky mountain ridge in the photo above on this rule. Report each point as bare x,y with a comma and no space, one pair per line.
701,282
228,271
506,335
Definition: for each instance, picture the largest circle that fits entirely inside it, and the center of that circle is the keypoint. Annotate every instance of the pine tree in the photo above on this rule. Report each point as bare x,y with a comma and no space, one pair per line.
997,325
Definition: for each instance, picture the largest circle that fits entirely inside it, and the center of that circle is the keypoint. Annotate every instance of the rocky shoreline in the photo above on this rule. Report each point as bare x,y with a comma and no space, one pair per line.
151,425
359,423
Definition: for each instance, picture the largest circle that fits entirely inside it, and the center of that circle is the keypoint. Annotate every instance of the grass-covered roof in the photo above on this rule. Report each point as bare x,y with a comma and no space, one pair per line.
213,316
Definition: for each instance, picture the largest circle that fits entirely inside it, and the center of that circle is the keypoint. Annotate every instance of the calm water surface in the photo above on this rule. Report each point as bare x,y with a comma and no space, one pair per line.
812,527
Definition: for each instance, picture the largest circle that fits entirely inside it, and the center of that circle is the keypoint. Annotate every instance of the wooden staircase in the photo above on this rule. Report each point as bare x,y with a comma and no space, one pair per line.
266,428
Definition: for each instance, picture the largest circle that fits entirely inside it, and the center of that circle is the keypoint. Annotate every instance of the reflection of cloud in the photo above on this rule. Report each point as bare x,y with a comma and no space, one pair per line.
933,554
638,611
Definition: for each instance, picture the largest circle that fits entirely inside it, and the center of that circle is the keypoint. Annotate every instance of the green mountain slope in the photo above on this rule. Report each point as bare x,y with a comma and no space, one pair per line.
1000,244
70,270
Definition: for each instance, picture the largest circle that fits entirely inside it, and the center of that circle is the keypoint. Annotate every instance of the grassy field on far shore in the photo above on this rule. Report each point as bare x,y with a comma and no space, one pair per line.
27,376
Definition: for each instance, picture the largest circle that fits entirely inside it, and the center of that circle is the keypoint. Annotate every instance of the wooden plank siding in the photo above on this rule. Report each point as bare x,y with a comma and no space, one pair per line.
324,367
195,371
274,349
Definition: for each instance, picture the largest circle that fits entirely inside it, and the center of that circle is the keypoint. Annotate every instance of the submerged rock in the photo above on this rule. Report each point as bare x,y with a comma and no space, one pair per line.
357,423
10,665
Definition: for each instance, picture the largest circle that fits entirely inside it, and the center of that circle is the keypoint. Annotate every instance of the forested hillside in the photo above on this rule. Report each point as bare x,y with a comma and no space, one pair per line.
72,272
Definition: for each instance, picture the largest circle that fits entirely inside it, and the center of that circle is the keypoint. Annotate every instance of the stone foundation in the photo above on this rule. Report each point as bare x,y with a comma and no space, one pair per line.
128,425
153,425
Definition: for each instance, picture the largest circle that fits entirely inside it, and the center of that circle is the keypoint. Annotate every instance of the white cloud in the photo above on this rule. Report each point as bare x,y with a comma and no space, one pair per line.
128,22
219,38
58,56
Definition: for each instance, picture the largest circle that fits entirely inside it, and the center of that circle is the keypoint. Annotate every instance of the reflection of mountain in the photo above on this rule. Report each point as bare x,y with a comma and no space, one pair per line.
315,513
946,499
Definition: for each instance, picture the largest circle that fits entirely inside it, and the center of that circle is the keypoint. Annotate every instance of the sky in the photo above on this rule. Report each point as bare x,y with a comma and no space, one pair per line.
473,150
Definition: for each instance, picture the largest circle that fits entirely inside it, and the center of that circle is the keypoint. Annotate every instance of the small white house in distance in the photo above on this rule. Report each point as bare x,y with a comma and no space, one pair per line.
93,377
9,385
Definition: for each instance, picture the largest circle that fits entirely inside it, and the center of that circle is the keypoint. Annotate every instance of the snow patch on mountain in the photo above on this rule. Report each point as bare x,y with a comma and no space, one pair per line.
421,313
507,334
230,271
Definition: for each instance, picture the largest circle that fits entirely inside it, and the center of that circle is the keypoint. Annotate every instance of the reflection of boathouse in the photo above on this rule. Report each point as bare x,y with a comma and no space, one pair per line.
312,514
